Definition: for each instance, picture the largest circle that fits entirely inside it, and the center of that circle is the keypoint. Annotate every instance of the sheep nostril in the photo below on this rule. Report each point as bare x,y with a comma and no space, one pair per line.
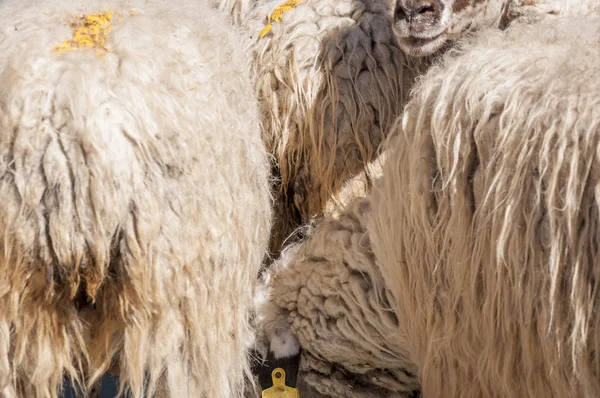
425,10
400,13
404,13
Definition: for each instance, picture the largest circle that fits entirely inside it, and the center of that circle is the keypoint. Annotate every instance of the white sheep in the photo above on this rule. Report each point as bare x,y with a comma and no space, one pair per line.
322,57
331,78
135,206
493,178
473,264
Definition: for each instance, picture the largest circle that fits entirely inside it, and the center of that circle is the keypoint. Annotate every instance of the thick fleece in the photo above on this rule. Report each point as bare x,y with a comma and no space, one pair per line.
469,230
335,300
135,206
485,225
331,80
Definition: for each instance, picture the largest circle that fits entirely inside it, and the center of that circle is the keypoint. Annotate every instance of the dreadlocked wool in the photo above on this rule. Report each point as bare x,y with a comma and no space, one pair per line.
471,268
135,207
330,80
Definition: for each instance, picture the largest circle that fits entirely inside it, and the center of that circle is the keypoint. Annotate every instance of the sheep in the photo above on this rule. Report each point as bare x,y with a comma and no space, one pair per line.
331,79
303,70
471,268
136,204
495,265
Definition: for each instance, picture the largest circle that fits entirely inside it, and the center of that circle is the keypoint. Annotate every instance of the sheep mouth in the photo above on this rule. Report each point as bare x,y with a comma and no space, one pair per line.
421,47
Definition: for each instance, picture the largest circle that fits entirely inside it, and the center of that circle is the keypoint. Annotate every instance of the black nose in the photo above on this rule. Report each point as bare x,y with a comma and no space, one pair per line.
410,9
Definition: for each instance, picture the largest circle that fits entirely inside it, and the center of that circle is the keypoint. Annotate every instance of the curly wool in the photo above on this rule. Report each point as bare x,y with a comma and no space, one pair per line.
485,224
337,305
135,206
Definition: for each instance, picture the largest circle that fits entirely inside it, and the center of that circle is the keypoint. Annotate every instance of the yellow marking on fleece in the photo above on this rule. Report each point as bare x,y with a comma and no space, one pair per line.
91,31
279,389
277,14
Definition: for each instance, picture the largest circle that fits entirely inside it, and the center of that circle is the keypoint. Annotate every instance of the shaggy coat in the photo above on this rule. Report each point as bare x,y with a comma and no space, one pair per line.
472,266
135,206
486,223
332,295
331,80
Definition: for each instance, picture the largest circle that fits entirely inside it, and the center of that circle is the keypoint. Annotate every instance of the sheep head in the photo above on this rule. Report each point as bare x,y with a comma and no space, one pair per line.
424,26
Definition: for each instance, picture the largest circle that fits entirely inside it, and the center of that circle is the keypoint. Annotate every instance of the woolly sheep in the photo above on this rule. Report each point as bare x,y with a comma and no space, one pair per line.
494,264
135,206
472,266
331,79
323,56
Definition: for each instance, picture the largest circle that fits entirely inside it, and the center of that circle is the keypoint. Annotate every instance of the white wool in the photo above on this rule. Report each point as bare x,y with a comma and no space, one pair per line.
284,345
336,303
331,79
235,10
576,7
136,181
535,10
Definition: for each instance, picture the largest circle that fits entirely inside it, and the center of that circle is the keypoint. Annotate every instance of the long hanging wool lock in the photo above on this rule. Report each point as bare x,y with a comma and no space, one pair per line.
107,146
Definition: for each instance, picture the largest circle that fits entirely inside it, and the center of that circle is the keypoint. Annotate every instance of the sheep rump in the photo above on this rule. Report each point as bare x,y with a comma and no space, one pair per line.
485,224
135,204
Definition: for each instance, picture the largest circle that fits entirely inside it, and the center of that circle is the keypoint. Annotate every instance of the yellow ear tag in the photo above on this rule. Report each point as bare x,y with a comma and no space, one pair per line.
279,389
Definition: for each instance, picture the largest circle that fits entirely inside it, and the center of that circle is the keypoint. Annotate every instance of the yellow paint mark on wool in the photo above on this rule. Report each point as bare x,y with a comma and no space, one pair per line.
91,31
277,14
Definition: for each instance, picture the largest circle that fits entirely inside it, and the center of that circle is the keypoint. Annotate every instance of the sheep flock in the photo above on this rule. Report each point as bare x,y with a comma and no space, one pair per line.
403,194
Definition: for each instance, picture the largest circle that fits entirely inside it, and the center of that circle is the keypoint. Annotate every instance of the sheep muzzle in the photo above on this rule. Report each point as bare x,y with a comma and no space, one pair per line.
420,25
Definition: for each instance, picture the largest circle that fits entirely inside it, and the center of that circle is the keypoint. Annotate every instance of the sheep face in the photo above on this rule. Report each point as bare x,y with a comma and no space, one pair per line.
424,26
